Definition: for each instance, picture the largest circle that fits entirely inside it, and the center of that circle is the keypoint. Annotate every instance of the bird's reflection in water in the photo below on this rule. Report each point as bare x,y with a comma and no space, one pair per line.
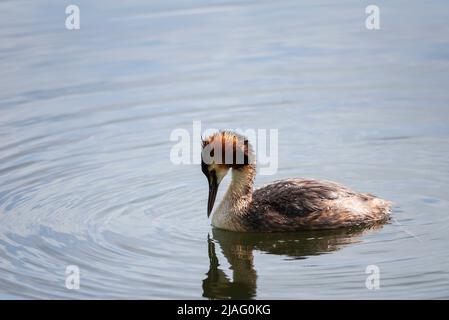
238,249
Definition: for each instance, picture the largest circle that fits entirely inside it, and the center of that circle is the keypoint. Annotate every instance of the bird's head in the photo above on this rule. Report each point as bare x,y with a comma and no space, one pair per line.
220,152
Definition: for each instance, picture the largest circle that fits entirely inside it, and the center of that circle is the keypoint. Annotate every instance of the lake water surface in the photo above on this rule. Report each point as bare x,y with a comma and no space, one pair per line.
85,120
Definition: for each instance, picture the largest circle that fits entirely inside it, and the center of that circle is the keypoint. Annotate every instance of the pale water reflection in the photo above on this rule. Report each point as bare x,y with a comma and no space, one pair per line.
239,248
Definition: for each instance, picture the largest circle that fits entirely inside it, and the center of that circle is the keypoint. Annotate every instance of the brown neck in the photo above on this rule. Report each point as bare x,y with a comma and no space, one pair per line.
241,189
237,200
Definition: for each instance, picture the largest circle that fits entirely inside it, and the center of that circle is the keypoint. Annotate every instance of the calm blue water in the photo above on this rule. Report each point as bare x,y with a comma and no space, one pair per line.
85,119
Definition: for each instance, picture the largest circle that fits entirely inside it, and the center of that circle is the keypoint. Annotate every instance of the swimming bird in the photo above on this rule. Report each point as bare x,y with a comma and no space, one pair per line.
283,205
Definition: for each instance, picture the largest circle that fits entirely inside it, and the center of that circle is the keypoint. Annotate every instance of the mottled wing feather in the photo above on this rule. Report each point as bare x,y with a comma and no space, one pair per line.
299,197
296,204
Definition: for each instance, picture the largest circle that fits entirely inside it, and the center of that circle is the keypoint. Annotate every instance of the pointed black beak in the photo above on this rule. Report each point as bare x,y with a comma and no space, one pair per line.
213,188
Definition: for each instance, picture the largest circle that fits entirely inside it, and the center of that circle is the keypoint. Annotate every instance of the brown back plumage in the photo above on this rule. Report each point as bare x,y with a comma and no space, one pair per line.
295,204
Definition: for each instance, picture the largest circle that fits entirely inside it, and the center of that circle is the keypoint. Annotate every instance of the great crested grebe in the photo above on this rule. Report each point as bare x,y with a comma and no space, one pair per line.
284,205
